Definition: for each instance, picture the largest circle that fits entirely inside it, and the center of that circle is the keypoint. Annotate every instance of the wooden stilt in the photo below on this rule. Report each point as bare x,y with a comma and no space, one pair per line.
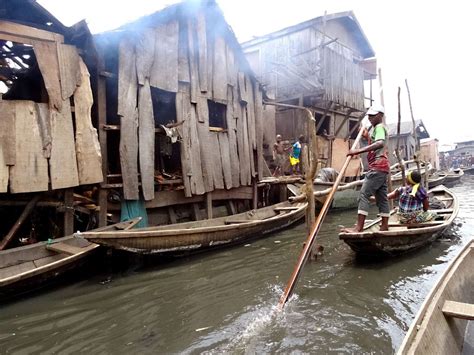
209,205
196,212
68,212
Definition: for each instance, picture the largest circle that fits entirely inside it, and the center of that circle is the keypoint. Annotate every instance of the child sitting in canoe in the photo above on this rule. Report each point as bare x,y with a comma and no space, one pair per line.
413,201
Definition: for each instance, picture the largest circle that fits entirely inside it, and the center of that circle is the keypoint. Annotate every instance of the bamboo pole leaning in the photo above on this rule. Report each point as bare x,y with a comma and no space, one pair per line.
314,232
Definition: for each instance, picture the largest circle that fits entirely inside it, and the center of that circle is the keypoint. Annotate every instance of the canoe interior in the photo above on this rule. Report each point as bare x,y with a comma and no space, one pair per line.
402,237
193,236
434,331
26,268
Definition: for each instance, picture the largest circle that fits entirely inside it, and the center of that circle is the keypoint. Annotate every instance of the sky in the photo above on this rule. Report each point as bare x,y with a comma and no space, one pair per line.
426,42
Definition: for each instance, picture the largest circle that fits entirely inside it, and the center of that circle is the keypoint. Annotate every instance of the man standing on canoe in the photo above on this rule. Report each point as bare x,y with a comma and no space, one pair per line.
375,182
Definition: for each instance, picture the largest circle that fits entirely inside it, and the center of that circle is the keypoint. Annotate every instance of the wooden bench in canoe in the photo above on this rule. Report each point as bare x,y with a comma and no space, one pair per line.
25,268
404,237
443,321
205,234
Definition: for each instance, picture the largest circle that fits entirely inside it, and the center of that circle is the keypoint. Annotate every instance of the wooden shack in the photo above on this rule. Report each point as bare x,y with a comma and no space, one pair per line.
320,64
181,114
408,143
48,144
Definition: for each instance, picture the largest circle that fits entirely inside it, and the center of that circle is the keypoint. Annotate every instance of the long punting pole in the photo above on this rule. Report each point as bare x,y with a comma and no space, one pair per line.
314,232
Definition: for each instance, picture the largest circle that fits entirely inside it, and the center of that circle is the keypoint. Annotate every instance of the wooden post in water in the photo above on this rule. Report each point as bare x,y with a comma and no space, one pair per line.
314,232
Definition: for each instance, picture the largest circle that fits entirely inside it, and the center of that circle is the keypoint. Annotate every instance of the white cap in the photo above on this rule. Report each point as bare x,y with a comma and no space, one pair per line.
374,109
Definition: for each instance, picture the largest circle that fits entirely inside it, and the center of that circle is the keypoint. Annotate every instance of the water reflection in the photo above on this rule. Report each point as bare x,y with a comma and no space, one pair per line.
225,301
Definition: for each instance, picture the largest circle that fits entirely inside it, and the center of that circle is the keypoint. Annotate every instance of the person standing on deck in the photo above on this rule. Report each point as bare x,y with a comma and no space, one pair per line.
279,155
296,155
375,182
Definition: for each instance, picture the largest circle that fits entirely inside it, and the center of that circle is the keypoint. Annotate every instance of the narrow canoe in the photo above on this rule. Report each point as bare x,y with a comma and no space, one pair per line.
199,235
436,180
404,237
453,177
29,267
444,324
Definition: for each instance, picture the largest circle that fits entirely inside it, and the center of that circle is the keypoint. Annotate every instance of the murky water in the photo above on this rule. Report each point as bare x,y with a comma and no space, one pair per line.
225,301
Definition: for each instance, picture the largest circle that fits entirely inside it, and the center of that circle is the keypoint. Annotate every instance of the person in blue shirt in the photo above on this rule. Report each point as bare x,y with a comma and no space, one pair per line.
295,156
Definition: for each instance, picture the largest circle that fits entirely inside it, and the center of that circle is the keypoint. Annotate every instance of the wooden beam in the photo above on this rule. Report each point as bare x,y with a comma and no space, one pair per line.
458,310
27,33
26,212
172,215
346,117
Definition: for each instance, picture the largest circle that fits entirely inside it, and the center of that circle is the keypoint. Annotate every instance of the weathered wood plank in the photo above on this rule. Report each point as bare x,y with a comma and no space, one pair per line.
145,50
44,122
217,162
202,109
241,143
225,158
206,157
458,310
231,129
197,182
202,50
63,162
193,61
219,75
243,97
4,173
183,112
69,71
127,110
258,102
183,61
232,70
164,72
251,113
7,131
146,137
47,57
89,157
30,172
248,151
29,32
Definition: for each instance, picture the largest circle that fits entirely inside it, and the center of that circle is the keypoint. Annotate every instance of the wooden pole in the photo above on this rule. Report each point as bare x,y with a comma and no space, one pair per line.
415,135
397,151
315,230
26,212
382,101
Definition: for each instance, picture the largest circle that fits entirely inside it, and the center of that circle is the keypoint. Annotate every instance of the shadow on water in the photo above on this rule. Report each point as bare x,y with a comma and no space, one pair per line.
224,301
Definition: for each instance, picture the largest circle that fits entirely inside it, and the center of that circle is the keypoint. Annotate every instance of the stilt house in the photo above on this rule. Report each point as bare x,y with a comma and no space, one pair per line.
320,64
47,140
182,113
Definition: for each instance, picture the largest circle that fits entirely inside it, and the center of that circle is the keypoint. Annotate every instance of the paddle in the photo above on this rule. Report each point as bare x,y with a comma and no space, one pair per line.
315,230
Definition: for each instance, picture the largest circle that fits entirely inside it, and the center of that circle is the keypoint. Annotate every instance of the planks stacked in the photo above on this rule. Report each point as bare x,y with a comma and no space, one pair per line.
37,137
185,55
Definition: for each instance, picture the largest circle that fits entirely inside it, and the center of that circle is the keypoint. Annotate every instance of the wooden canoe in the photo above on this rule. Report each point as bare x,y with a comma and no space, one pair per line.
453,177
25,268
444,322
199,235
436,180
404,237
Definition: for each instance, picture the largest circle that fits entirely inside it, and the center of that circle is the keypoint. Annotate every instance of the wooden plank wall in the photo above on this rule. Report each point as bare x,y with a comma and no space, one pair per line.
197,63
40,136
